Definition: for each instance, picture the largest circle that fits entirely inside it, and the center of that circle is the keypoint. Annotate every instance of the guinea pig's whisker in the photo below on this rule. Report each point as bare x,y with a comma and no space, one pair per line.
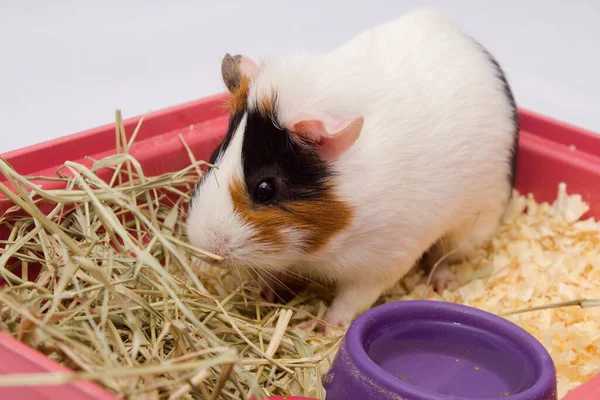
239,275
241,282
253,277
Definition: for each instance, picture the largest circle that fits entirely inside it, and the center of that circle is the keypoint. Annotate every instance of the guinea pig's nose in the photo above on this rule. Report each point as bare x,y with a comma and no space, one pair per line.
219,247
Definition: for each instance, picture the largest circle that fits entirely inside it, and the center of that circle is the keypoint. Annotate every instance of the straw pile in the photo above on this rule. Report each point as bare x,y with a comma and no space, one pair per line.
123,300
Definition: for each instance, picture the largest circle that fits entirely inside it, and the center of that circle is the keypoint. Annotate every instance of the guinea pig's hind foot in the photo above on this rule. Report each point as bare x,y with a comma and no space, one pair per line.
434,262
443,278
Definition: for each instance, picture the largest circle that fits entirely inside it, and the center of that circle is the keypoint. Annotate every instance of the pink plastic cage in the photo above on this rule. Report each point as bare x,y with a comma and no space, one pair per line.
550,152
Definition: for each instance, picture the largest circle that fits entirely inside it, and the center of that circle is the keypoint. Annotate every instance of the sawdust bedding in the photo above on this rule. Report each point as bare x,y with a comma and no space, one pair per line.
542,272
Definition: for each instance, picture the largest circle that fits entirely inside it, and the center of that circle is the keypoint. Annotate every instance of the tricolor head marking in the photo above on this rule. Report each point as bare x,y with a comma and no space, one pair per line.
271,200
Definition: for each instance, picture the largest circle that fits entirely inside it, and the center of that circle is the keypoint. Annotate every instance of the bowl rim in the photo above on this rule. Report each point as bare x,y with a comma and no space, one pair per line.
470,316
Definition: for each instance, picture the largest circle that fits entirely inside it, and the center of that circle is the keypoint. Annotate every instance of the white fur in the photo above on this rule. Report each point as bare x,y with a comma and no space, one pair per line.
212,224
432,160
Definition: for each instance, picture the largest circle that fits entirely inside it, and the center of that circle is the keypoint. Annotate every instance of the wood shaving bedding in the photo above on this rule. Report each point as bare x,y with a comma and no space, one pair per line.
544,254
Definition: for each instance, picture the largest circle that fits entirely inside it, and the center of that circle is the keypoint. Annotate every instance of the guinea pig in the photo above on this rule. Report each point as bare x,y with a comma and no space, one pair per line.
350,165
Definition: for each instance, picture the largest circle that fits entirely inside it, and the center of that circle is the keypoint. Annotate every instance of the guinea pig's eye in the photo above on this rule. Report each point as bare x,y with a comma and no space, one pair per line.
265,191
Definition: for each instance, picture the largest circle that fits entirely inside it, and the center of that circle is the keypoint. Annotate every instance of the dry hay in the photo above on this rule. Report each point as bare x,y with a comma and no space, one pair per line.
122,299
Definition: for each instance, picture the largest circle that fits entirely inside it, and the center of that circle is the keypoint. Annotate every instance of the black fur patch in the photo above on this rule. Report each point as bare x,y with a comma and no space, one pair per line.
270,153
515,113
515,118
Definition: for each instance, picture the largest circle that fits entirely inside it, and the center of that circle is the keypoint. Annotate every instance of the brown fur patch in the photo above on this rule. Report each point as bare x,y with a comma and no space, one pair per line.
239,97
266,104
319,218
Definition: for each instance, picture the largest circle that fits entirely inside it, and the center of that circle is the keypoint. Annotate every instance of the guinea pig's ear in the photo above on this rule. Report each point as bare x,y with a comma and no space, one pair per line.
332,136
233,68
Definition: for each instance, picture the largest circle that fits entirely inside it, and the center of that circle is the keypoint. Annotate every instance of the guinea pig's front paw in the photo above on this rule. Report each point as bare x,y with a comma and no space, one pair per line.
269,286
308,325
268,294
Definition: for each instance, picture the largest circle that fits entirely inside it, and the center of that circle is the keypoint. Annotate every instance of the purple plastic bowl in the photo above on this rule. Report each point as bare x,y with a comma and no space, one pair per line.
432,350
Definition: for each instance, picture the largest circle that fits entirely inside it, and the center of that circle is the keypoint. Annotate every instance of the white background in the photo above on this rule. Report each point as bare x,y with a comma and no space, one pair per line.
66,65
